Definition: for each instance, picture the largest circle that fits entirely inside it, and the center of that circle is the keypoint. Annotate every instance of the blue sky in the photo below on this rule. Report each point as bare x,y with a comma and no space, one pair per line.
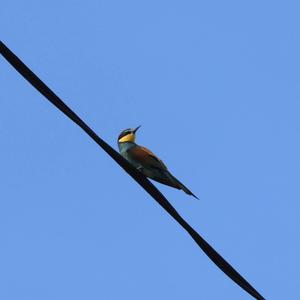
215,86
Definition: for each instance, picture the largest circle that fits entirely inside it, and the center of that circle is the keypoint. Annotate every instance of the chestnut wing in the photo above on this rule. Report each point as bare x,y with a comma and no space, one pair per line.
146,158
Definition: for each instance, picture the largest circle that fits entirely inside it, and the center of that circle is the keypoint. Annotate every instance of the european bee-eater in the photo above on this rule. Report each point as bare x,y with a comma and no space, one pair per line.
147,162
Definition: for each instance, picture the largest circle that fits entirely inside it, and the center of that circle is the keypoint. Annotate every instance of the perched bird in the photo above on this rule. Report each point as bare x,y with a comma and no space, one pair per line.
147,162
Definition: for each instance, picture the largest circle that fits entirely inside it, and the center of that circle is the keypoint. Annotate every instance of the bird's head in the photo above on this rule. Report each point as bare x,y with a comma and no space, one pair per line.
128,135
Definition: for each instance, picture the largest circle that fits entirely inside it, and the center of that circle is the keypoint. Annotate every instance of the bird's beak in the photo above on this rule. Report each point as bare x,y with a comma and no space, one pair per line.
135,130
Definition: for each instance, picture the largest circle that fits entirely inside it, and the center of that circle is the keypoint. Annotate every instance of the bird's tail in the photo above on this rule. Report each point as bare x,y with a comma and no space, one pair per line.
181,186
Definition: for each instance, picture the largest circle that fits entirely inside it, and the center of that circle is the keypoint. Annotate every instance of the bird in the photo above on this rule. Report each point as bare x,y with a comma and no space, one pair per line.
146,161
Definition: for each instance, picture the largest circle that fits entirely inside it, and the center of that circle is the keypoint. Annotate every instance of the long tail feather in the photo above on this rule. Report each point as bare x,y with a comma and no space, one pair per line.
182,186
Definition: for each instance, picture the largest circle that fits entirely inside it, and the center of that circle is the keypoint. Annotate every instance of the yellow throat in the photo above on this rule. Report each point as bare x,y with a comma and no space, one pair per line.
130,137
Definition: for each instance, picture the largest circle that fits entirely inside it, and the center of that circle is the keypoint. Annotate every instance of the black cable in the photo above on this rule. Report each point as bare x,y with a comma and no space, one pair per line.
138,176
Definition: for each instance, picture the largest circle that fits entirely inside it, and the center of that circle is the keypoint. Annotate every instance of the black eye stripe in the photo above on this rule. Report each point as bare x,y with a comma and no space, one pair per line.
125,132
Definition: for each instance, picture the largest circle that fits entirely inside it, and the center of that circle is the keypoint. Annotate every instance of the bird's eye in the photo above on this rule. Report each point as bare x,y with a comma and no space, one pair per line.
124,133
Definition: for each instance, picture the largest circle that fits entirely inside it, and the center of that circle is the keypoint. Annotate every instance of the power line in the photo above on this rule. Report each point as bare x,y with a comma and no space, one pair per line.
135,174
